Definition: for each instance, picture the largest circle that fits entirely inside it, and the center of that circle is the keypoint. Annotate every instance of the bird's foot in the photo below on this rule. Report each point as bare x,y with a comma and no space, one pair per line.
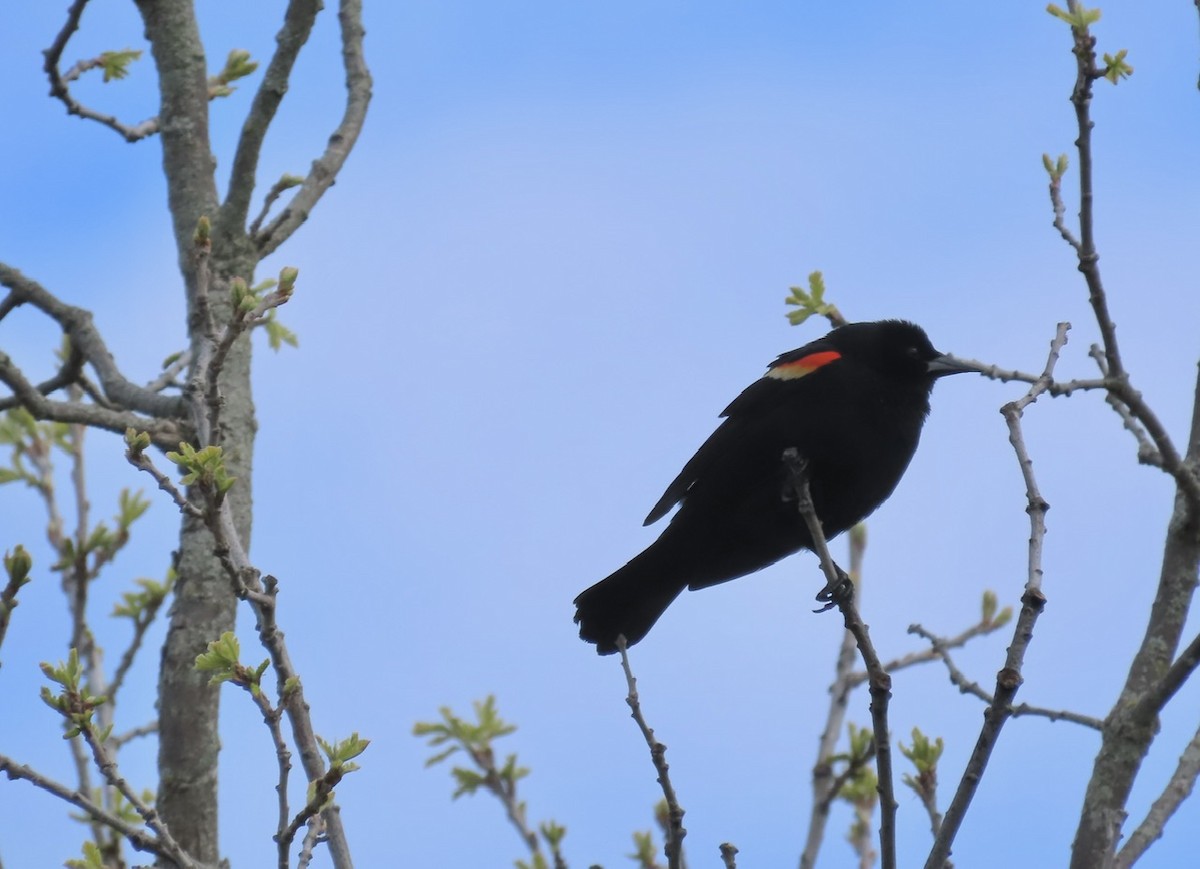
836,593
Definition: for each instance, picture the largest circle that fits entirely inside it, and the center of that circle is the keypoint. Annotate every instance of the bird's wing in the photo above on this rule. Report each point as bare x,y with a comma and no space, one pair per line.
756,401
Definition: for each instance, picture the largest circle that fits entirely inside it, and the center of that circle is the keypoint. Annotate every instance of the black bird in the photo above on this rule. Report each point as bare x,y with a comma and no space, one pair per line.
851,403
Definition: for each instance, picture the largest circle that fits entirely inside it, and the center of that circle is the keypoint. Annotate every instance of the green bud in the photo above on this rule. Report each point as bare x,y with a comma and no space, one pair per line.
18,564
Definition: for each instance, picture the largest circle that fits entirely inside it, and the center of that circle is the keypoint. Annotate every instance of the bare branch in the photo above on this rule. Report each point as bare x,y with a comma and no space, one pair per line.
840,590
287,182
1153,701
77,324
674,830
939,648
1009,679
136,837
170,372
1178,789
117,740
297,25
825,786
325,169
163,432
71,371
1053,388
980,629
1060,210
141,624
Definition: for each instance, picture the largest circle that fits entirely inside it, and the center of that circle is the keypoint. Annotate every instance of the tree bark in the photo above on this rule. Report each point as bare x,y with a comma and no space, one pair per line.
204,605
1130,727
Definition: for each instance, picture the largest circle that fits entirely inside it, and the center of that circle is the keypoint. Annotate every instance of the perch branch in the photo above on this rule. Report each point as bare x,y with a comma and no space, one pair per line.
658,754
839,590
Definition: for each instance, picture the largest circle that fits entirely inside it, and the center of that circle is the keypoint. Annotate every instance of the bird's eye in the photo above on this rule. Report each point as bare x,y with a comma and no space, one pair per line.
913,352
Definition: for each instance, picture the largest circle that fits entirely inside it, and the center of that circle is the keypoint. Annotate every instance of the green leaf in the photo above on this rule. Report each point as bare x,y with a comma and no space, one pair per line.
116,63
1079,20
278,334
1115,67
810,302
93,858
131,507
221,659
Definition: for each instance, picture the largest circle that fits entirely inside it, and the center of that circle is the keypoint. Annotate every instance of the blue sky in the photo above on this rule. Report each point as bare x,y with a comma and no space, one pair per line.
560,249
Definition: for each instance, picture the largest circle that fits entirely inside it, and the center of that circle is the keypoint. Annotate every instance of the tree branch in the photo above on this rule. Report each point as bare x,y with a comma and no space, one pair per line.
136,837
77,324
839,590
674,829
60,91
1178,789
325,168
825,786
297,25
162,431
939,648
1009,679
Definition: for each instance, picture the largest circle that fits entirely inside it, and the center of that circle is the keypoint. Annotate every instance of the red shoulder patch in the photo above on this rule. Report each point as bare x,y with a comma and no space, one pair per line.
803,366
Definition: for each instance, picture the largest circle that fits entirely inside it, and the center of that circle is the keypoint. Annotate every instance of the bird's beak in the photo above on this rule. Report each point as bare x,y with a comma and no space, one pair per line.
946,364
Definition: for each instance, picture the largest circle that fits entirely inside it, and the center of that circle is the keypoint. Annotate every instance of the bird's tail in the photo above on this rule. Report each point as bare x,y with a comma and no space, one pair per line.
627,603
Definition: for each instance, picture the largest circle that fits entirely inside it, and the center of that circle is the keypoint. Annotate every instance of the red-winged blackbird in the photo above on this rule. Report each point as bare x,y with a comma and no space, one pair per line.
852,404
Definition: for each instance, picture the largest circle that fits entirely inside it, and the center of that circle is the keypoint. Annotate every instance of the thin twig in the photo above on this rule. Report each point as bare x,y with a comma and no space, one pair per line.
825,786
939,648
142,462
658,755
315,828
106,763
171,371
69,372
141,623
880,683
78,324
138,838
1148,454
1053,388
1008,680
120,739
60,91
980,629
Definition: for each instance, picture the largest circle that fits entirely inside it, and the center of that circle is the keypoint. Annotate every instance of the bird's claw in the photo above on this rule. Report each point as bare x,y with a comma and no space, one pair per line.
836,593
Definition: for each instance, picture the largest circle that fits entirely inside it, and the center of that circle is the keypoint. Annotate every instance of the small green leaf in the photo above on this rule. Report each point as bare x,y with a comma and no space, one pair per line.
220,659
116,63
1115,67
990,602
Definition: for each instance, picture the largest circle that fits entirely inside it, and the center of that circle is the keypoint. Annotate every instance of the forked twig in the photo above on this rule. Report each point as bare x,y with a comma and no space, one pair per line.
1008,680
